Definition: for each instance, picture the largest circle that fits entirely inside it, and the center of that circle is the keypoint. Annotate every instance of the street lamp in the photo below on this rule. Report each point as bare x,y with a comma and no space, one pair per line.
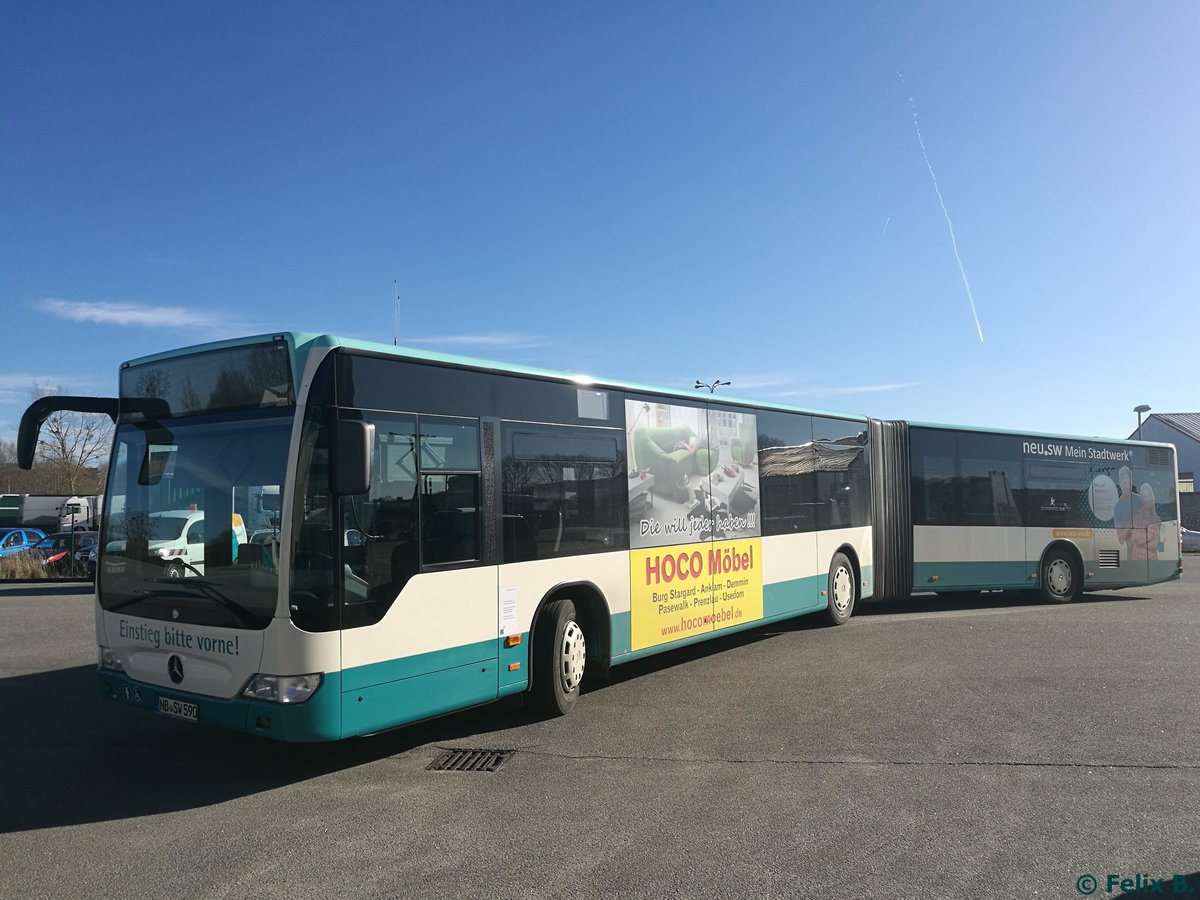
712,388
1139,409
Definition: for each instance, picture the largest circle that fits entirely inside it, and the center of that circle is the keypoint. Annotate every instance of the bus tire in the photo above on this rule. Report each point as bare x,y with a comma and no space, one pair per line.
843,590
1061,578
559,655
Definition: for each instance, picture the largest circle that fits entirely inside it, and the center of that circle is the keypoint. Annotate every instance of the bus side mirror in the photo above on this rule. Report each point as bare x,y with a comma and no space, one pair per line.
42,408
355,446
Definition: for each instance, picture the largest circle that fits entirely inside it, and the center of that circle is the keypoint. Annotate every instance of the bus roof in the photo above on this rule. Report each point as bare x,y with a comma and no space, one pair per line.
301,342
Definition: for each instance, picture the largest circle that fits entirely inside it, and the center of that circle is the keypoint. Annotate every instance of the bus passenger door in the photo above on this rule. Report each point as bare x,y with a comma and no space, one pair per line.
418,606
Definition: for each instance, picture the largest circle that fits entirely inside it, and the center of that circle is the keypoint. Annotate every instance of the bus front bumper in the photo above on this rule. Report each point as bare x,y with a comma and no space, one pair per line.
317,719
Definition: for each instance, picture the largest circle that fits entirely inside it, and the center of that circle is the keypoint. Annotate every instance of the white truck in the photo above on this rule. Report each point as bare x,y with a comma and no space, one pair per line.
264,508
51,512
80,513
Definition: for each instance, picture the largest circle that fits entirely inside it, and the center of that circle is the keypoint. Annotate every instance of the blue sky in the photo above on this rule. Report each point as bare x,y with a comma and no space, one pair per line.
653,192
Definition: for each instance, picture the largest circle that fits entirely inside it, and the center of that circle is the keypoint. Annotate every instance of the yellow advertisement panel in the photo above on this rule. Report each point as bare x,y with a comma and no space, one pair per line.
690,589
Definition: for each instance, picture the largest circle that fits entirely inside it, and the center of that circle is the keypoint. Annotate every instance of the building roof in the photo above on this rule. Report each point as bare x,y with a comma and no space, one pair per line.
1185,423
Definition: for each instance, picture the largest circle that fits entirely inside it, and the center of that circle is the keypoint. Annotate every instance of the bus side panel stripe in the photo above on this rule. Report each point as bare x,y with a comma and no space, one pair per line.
412,699
406,667
936,576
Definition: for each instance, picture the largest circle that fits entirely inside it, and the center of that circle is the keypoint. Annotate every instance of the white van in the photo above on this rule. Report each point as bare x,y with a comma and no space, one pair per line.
177,538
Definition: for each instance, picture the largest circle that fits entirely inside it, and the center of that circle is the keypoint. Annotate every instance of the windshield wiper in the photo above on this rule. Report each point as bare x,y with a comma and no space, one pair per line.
209,589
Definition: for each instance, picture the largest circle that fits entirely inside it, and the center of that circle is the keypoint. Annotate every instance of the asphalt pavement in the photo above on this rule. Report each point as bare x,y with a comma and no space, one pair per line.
969,747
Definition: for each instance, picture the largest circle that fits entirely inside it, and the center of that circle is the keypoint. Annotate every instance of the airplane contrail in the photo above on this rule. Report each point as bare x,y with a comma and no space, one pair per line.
885,225
945,212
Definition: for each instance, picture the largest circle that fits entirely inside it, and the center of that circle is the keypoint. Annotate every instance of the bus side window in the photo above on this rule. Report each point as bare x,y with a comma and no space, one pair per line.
564,491
379,534
787,473
449,518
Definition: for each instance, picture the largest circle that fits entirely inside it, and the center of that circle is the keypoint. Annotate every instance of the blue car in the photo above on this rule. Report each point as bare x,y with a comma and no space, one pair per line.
18,540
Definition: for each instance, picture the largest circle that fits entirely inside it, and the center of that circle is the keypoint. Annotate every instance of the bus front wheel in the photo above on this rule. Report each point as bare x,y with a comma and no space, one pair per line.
843,590
1061,581
559,654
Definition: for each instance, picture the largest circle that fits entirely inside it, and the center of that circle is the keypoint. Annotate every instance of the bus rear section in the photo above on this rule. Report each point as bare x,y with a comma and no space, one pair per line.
1007,511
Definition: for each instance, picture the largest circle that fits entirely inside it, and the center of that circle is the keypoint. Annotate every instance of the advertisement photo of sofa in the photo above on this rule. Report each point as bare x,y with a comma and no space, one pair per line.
672,455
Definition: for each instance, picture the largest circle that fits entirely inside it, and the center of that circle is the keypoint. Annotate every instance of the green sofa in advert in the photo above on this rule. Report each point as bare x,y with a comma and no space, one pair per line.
672,455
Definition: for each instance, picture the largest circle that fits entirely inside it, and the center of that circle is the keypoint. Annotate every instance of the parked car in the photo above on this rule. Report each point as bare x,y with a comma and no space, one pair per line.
1190,540
19,540
89,560
61,550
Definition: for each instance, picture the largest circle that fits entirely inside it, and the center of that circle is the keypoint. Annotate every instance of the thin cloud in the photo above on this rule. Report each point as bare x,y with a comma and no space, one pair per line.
132,314
750,382
843,391
491,340
17,387
10,380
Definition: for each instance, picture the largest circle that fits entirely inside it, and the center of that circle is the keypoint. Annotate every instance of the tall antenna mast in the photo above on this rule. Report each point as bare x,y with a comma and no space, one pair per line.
395,313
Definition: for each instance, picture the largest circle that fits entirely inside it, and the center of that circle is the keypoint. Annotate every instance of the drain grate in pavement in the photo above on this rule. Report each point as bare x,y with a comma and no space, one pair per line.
469,761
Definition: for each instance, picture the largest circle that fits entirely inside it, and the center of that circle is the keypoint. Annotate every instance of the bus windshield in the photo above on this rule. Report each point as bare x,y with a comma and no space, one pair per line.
183,500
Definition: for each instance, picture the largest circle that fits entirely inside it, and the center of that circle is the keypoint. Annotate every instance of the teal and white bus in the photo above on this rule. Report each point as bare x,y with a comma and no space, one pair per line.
451,531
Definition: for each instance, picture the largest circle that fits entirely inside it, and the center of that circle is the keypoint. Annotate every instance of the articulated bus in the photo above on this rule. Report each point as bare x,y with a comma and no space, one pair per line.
452,531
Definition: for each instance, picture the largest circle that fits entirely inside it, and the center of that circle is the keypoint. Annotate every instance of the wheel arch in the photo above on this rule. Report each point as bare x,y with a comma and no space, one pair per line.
1061,544
592,610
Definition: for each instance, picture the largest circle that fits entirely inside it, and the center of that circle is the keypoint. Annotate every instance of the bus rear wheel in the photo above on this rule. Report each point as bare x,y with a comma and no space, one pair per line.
843,590
1061,582
559,656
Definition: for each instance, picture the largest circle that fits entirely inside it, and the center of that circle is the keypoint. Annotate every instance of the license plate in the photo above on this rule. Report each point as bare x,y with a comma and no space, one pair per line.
178,709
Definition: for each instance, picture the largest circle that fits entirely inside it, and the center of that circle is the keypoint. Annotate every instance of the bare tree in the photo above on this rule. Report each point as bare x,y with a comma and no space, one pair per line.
73,445
8,466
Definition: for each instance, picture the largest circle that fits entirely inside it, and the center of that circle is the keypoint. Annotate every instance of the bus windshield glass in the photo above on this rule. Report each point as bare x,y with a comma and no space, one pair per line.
186,538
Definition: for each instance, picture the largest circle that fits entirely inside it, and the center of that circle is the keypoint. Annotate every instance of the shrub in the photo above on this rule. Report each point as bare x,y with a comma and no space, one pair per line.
21,565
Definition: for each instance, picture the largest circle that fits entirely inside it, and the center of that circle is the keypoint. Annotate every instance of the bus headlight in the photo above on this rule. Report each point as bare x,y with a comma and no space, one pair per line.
109,660
282,688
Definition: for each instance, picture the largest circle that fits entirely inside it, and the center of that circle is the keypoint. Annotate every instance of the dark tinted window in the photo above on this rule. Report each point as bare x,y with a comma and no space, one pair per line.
313,596
843,483
234,378
814,473
547,401
449,444
564,491
966,478
422,510
787,480
990,479
1056,494
370,382
935,499
379,529
449,518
